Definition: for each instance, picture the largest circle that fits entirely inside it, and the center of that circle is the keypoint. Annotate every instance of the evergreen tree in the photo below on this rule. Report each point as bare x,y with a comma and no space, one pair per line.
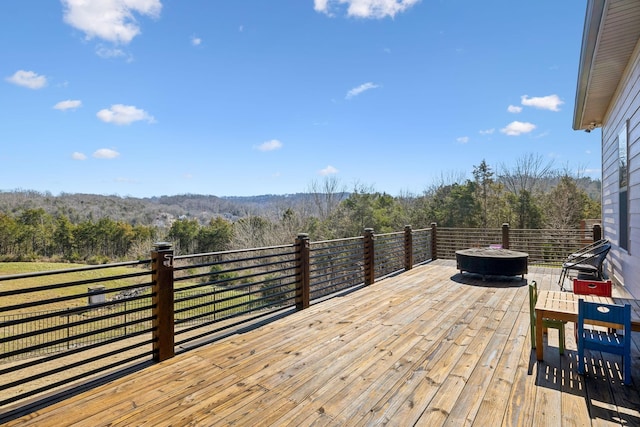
483,179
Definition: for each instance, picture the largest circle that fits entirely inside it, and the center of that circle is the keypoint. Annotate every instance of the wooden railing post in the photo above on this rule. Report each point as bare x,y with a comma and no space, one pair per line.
302,272
597,232
369,257
162,299
434,241
408,248
505,236
584,239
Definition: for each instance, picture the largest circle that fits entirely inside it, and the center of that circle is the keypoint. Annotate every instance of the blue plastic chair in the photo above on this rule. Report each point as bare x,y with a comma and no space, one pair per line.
609,342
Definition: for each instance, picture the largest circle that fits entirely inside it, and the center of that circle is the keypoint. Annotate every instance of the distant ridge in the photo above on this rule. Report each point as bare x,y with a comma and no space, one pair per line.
79,207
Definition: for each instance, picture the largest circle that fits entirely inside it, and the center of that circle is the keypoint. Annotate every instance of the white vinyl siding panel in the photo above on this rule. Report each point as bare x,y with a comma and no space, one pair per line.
623,266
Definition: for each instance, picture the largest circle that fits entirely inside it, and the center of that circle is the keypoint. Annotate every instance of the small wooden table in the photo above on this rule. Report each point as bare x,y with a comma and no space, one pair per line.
492,262
560,305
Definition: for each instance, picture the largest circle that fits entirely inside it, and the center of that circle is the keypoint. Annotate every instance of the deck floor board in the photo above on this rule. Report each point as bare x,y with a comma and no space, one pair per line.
427,347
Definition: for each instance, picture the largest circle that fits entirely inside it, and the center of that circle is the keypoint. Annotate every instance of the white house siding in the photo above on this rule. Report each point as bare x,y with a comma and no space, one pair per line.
623,266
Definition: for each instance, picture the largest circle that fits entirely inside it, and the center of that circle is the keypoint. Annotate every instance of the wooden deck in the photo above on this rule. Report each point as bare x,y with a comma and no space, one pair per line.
427,347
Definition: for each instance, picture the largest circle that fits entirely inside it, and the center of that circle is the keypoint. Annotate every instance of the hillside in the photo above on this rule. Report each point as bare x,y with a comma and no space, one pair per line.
163,210
157,211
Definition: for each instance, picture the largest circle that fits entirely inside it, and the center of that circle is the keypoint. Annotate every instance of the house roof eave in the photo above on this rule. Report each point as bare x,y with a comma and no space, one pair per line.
593,19
609,44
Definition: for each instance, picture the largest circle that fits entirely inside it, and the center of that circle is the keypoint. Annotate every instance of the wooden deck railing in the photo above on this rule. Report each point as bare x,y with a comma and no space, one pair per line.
58,327
546,247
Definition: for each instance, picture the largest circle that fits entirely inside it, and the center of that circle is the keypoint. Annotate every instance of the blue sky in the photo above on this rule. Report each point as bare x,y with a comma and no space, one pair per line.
246,97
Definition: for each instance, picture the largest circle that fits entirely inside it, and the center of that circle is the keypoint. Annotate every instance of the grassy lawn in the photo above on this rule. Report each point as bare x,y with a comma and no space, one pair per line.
11,268
202,306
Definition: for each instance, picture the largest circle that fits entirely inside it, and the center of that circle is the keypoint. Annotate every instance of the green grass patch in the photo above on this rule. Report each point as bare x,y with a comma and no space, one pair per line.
207,303
92,276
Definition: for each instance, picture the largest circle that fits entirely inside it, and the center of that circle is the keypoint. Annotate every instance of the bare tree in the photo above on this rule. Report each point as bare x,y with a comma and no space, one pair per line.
526,174
327,195
565,204
445,179
524,181
255,232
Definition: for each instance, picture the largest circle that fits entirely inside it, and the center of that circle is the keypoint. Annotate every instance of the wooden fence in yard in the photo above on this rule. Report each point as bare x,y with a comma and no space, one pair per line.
74,326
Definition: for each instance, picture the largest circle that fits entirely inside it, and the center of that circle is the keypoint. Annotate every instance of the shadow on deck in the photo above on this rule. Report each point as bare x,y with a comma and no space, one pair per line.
426,347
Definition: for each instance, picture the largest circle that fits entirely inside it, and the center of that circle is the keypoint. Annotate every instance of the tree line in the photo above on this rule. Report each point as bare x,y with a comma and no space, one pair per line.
531,194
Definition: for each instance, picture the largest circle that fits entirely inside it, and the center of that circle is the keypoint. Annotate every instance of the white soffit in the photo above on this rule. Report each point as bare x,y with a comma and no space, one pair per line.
611,32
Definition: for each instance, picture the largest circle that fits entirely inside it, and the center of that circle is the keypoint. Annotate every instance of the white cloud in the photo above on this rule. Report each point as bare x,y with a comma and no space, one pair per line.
272,145
196,41
543,134
487,131
78,156
124,180
518,128
110,52
376,9
111,20
463,139
321,6
27,79
362,88
105,153
329,170
124,115
550,102
69,104
514,109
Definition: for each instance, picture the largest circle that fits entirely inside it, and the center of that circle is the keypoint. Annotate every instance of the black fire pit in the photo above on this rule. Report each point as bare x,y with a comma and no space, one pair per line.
492,262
